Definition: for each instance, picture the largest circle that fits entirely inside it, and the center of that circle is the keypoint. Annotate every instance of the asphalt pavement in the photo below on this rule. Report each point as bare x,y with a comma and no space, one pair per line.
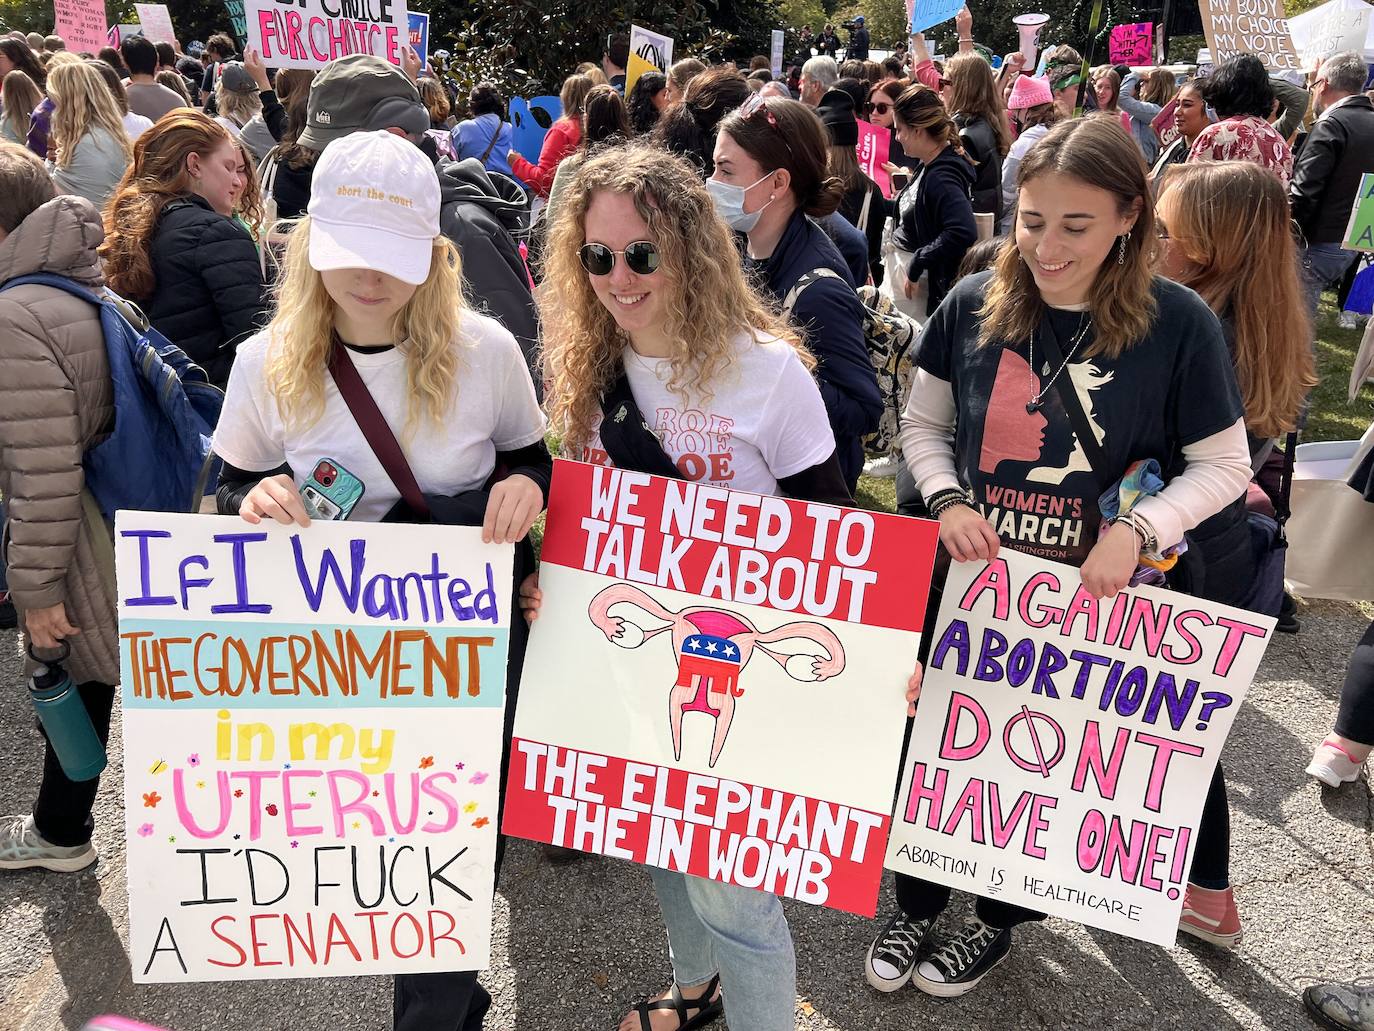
576,945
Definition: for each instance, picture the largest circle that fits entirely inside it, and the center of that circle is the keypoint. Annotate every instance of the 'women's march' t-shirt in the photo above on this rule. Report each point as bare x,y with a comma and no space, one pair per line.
492,409
763,421
1028,473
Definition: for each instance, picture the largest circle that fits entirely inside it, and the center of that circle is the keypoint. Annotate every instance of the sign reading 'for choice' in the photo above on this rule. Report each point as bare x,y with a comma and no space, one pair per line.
311,33
779,634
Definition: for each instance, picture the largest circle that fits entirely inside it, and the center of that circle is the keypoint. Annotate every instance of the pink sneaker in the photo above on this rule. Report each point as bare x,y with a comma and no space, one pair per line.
1333,765
1211,915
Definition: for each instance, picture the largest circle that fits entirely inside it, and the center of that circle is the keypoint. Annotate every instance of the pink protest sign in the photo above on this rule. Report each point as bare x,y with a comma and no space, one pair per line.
1063,744
1132,44
81,24
872,150
305,34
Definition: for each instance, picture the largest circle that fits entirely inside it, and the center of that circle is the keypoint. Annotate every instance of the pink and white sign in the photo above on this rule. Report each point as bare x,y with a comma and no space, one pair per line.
1064,745
157,22
311,33
1132,44
872,149
81,24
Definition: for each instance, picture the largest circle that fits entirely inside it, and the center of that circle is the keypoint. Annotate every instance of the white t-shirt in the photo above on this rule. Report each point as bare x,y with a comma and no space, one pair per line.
229,124
764,421
135,125
493,409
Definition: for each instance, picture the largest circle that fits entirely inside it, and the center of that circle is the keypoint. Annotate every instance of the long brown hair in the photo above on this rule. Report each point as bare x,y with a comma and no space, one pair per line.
1097,152
709,301
19,95
1230,222
574,94
1113,82
787,134
157,177
1157,86
973,92
921,108
24,60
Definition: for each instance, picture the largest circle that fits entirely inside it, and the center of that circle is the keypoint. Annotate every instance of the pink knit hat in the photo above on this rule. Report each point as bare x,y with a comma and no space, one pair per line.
1027,92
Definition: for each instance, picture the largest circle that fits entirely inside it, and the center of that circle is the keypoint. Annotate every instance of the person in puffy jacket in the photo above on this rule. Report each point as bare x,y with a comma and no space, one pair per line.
56,402
971,95
172,246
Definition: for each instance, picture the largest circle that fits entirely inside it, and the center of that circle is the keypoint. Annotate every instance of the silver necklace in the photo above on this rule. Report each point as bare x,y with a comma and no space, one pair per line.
1037,399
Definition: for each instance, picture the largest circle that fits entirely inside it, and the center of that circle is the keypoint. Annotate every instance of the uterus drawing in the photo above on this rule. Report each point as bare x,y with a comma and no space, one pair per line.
711,647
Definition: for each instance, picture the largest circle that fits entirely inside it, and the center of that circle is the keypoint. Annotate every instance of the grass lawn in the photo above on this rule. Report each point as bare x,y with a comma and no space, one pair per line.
1332,417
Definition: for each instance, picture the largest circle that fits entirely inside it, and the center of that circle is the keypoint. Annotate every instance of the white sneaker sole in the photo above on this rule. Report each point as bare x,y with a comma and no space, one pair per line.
69,865
1330,777
941,990
880,983
1221,941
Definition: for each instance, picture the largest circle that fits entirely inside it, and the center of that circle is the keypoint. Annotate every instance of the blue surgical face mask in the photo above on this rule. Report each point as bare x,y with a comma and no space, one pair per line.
729,202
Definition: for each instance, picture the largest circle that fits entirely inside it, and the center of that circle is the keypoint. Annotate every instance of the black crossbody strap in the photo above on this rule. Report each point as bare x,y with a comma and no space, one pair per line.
1073,407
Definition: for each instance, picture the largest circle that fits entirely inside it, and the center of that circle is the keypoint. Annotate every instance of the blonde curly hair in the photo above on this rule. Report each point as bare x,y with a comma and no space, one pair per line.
709,302
302,333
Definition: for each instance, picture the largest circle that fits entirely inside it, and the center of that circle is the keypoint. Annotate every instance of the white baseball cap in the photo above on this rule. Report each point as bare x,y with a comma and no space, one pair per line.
374,204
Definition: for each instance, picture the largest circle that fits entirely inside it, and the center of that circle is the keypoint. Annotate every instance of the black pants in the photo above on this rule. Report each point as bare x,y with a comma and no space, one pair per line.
1355,720
453,1000
62,812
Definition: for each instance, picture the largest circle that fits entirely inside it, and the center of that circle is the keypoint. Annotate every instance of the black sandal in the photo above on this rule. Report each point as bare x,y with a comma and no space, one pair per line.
705,1010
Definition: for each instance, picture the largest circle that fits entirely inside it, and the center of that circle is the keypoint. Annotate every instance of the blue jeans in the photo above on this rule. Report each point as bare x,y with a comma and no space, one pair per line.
1322,265
736,932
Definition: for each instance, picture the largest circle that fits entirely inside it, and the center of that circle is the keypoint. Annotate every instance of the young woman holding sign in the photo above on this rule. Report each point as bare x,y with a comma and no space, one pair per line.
1069,330
649,323
376,394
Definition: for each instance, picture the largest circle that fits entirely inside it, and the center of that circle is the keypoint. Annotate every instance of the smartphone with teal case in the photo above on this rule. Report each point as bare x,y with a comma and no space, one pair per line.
331,492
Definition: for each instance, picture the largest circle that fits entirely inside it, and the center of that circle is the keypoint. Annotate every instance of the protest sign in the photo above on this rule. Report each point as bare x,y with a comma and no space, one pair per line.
237,21
312,745
157,22
1331,28
775,60
1132,44
791,629
1249,27
311,33
419,35
925,13
81,24
1063,745
1359,232
872,149
649,52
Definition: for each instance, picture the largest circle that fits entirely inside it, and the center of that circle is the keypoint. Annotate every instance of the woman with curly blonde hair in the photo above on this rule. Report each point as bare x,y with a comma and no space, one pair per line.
172,244
652,331
89,147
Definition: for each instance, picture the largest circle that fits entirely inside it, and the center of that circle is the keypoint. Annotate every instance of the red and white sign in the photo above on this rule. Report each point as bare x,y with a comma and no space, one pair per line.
780,633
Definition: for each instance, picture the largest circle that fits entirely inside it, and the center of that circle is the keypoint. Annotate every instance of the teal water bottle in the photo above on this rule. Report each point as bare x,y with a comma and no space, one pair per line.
65,720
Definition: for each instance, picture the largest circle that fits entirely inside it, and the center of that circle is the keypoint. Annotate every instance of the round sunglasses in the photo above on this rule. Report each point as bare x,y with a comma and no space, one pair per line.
641,257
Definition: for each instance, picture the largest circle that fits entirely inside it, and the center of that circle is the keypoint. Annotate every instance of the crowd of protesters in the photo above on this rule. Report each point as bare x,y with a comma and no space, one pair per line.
707,240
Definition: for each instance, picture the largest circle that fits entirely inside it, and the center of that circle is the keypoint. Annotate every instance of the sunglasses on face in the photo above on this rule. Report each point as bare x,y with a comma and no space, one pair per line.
641,258
879,107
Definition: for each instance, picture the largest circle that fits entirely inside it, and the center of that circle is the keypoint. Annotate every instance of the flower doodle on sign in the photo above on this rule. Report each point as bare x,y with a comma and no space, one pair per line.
712,647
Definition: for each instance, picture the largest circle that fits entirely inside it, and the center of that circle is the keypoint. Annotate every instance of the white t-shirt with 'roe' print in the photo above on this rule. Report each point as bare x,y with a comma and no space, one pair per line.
764,420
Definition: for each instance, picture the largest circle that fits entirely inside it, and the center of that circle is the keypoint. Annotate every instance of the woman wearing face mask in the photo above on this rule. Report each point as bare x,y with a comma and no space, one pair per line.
172,245
1188,119
645,307
1146,362
770,175
935,224
451,386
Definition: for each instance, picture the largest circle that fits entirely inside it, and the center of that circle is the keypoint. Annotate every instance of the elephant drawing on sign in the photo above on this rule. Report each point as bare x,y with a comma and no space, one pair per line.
711,647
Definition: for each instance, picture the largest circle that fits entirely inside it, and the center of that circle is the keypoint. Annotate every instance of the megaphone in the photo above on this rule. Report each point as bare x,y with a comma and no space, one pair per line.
1028,25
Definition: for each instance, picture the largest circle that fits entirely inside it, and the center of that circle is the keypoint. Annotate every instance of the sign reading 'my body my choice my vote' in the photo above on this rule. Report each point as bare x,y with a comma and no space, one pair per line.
312,738
311,33
1064,745
715,682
